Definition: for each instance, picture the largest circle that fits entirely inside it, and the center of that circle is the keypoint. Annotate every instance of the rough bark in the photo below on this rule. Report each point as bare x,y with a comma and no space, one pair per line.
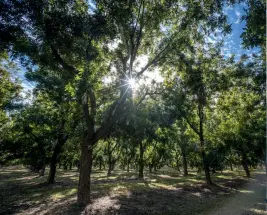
85,174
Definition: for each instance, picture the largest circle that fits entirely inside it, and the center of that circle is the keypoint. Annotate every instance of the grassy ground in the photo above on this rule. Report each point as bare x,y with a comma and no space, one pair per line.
162,192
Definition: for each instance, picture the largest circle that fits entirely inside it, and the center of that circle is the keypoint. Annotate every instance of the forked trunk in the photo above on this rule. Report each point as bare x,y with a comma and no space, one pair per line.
85,174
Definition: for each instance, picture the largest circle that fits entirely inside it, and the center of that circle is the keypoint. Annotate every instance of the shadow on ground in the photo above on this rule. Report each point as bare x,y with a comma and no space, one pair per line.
161,193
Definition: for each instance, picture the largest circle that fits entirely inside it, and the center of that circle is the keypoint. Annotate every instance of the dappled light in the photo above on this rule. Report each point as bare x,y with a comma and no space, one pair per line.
137,107
122,194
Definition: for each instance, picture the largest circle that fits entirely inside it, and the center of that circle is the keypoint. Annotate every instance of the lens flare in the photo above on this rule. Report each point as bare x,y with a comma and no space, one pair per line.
131,82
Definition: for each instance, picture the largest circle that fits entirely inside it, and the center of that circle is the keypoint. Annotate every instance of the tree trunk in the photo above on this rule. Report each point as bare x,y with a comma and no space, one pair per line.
231,166
52,171
42,171
141,161
65,166
109,160
155,168
128,165
206,168
184,162
178,168
100,163
204,159
245,165
85,174
113,163
78,166
109,168
150,168
177,163
203,153
54,159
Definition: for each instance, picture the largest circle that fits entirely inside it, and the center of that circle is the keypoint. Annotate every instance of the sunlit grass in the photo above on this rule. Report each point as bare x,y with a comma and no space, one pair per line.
23,186
258,211
246,191
63,194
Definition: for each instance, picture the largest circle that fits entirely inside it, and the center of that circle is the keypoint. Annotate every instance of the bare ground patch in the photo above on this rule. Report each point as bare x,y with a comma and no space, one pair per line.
23,192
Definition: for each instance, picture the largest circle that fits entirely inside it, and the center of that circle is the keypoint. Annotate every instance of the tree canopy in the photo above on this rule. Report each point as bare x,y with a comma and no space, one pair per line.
130,84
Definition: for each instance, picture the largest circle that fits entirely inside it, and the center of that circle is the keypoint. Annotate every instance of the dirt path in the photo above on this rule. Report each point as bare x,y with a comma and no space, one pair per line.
249,200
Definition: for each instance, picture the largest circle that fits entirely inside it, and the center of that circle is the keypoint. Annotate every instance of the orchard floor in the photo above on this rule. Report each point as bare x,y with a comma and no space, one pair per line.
164,192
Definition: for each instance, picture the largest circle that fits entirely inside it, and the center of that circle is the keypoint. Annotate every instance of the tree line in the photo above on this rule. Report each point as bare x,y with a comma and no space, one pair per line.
94,104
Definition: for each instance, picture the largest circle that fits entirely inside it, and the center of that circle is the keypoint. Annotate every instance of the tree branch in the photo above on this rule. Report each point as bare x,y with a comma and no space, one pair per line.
60,60
155,60
192,126
139,36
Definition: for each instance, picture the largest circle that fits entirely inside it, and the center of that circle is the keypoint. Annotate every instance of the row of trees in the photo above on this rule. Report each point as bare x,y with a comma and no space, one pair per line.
86,60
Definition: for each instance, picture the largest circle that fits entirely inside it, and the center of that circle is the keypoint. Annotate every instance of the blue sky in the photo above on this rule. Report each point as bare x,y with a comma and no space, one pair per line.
232,42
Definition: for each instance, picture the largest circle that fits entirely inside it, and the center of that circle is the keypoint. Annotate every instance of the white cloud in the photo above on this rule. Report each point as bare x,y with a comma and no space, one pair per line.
226,9
211,40
238,14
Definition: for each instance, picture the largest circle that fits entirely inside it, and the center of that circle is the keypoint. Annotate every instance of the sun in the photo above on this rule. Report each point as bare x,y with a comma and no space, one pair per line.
132,83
